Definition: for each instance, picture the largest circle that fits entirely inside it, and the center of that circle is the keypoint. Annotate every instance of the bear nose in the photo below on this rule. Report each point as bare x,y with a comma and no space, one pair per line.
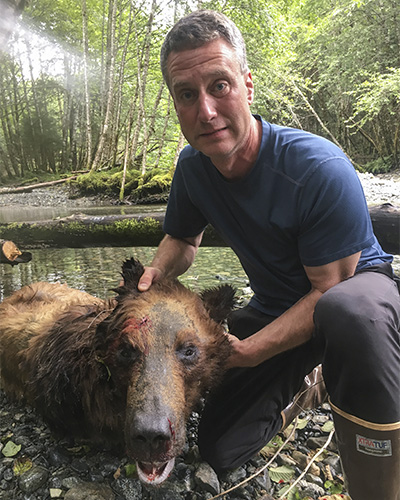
151,434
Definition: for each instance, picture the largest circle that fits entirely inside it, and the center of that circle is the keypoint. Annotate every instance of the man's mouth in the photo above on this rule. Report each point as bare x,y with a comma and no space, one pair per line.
213,132
154,473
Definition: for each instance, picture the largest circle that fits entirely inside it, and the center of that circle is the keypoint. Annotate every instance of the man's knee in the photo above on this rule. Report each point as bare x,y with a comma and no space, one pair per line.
340,311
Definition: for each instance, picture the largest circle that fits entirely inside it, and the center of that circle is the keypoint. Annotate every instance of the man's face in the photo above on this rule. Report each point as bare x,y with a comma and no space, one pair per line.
212,98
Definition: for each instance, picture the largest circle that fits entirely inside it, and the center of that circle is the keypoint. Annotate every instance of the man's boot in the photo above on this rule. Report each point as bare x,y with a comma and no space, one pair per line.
370,456
312,394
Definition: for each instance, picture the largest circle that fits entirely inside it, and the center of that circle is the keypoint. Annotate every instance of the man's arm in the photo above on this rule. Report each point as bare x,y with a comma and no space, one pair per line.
295,326
173,257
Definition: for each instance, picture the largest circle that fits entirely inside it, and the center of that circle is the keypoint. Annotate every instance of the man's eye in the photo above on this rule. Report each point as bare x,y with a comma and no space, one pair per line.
186,96
221,88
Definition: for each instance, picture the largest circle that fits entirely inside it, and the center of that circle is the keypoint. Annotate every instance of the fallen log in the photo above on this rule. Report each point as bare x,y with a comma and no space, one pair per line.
80,230
31,187
11,254
386,222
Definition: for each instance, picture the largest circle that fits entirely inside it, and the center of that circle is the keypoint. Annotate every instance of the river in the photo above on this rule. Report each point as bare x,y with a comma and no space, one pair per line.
97,270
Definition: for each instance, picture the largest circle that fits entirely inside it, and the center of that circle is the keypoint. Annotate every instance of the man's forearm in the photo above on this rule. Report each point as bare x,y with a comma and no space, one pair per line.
291,329
174,256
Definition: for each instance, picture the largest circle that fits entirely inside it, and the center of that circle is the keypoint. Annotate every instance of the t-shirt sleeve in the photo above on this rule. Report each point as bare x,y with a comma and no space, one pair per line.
182,219
334,219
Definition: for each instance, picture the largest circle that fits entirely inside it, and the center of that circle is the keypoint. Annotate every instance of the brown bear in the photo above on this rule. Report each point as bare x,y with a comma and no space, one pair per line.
128,370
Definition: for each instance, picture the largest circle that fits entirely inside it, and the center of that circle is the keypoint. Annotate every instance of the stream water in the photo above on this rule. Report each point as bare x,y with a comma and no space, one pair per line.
97,270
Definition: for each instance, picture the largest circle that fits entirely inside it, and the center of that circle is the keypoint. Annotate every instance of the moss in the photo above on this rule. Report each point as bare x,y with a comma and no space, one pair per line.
146,232
159,183
108,183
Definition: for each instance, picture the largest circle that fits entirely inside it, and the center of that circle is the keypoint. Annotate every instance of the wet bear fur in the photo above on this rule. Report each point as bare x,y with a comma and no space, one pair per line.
126,371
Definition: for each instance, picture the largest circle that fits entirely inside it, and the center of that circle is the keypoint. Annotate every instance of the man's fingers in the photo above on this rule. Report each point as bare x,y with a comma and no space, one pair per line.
150,275
144,284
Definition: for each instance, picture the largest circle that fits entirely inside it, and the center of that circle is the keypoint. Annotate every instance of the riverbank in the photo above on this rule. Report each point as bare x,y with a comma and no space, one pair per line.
383,188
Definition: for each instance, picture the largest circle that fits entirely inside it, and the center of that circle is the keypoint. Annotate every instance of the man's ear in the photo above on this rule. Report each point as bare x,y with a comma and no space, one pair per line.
248,81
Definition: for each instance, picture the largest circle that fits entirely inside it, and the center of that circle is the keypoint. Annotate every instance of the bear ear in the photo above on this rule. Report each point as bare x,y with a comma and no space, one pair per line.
132,270
219,301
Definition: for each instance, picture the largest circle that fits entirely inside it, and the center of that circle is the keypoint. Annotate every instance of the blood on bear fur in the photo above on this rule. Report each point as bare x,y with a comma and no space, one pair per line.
125,371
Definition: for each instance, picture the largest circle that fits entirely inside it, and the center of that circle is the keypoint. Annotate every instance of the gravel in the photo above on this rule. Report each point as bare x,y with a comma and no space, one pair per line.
35,465
384,188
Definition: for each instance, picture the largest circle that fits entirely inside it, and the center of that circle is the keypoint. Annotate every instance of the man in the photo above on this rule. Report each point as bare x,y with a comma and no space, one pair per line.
290,205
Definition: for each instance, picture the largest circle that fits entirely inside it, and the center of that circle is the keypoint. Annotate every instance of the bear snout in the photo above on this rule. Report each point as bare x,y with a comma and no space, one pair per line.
150,437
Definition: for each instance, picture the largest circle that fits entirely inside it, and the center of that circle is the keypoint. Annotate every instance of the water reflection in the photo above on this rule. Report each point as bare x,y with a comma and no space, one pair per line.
97,270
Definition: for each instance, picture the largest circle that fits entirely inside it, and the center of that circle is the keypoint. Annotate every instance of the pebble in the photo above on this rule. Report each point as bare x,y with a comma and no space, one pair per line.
207,479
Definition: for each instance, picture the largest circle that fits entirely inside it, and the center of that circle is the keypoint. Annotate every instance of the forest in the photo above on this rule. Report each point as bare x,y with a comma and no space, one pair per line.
81,88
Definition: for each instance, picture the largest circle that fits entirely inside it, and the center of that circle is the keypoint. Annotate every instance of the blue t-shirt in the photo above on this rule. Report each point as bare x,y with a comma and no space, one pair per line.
301,204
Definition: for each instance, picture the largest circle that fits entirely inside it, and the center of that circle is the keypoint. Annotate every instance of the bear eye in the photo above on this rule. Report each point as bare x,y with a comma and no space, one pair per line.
127,354
188,354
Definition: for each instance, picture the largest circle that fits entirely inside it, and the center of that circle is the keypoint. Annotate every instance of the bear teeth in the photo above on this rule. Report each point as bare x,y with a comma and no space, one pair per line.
154,473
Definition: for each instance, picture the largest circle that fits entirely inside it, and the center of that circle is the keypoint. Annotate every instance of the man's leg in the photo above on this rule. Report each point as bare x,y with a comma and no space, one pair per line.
358,323
245,411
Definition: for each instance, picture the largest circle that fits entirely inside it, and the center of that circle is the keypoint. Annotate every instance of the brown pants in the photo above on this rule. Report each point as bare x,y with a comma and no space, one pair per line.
356,338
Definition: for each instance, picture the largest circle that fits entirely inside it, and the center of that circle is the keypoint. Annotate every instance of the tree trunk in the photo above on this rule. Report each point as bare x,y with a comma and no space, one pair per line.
127,149
88,122
27,189
145,72
111,51
165,128
179,147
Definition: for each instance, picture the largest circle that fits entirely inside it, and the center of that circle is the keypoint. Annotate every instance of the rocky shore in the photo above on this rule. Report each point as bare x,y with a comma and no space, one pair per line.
378,189
35,465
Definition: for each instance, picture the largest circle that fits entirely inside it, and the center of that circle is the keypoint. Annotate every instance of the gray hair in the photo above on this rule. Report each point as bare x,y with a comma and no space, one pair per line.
198,29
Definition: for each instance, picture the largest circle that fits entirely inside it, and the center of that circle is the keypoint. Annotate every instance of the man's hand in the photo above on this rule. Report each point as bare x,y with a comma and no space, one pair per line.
150,276
240,357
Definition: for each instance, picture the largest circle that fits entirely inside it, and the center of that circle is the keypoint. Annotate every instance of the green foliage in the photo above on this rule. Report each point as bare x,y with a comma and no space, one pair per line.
130,470
328,66
380,165
378,94
333,487
21,465
282,473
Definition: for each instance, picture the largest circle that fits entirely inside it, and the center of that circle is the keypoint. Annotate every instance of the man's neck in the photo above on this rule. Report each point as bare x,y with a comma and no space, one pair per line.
238,165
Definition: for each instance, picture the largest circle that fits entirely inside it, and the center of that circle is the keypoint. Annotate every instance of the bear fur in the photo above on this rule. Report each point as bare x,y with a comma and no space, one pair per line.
127,371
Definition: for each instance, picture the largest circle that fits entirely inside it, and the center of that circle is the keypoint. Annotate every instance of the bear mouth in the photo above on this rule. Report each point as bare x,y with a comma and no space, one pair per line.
154,473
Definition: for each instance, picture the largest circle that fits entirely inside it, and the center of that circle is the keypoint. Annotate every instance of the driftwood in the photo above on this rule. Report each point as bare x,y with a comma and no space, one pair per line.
31,187
11,254
81,230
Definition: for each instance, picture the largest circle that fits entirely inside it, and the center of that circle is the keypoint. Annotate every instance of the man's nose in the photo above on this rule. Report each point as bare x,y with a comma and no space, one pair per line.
207,108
